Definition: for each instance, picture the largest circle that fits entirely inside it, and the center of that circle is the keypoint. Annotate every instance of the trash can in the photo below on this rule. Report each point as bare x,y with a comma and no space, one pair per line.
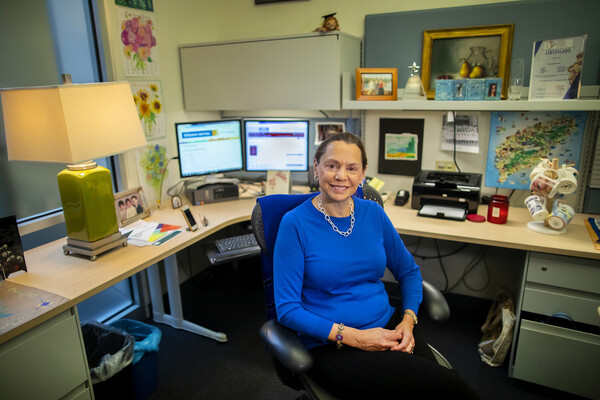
145,356
109,352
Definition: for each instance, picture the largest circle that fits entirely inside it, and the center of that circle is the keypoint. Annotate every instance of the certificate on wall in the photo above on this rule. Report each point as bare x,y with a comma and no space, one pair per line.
556,69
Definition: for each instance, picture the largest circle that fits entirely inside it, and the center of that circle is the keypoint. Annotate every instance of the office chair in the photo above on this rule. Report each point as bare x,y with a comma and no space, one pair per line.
291,359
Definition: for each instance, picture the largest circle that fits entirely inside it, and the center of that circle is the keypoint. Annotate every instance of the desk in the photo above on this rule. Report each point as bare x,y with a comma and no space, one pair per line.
76,278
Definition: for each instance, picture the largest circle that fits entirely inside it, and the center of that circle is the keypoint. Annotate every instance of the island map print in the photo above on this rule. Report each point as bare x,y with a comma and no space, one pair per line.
518,140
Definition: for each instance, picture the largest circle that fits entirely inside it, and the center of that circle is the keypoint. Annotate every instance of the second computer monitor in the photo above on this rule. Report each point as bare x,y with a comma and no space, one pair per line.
276,144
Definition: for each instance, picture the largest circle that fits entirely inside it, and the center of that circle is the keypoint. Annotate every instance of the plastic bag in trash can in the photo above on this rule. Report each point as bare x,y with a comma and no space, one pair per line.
108,349
147,337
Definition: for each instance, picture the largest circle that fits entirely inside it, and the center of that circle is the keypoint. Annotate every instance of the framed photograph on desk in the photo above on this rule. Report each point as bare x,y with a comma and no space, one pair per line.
131,206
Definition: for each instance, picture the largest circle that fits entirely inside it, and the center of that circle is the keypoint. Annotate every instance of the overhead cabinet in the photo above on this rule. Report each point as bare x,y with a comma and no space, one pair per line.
302,72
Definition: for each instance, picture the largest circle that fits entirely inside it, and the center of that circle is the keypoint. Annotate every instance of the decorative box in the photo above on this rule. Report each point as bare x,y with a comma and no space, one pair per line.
460,89
475,89
444,89
493,88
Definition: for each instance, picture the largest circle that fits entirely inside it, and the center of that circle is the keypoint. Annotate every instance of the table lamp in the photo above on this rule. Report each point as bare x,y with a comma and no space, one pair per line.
73,123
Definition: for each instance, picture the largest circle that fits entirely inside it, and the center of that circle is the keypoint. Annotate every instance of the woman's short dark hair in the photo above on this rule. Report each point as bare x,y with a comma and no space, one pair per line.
346,137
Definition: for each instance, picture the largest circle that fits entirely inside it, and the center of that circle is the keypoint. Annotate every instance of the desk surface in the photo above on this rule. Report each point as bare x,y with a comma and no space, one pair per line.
76,278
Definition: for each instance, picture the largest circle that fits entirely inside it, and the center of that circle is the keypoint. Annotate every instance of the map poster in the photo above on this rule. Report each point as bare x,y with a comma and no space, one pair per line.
518,140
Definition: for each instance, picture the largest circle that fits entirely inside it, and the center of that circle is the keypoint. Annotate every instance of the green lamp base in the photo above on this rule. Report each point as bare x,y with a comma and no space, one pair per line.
89,209
94,249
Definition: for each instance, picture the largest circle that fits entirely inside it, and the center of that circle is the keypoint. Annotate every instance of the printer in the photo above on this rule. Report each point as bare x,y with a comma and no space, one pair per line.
444,194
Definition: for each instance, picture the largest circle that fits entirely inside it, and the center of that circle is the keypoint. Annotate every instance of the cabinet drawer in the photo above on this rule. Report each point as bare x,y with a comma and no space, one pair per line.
547,300
46,362
559,358
567,272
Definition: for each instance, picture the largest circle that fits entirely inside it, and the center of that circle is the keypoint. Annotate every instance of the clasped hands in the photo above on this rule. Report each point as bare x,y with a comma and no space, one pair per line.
381,339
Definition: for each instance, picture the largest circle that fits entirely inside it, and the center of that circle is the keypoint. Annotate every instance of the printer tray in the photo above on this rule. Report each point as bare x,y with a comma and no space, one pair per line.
443,212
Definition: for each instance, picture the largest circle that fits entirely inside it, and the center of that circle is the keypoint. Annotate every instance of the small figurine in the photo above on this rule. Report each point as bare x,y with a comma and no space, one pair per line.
330,23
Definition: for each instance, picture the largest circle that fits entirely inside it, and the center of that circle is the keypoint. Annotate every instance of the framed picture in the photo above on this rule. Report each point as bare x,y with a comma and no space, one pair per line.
471,52
400,146
376,83
326,129
131,206
12,258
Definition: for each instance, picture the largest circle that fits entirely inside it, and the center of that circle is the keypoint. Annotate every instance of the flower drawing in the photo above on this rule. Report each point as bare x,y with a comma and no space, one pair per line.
153,162
138,40
149,106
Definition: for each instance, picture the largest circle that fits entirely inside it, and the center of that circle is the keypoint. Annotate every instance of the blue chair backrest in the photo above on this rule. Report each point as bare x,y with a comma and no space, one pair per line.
273,209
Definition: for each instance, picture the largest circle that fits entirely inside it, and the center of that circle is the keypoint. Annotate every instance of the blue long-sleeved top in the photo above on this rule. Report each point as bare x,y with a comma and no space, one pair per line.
322,278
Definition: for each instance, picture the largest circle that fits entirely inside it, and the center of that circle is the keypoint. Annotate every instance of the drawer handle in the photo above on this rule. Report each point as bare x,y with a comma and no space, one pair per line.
544,269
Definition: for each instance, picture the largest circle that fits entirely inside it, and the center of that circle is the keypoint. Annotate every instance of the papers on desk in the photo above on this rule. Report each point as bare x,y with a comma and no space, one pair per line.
441,211
19,304
142,233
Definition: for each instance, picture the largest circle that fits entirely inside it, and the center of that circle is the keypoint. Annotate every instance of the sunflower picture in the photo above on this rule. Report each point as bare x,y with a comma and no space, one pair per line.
148,101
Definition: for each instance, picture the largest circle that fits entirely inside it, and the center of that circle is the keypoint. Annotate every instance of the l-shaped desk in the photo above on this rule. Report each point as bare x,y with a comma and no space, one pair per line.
77,278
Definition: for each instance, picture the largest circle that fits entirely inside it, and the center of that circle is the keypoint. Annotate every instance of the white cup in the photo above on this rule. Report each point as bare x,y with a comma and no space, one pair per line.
543,186
537,208
567,180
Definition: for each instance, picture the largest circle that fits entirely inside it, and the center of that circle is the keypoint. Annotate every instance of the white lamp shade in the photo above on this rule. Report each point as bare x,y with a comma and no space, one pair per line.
70,123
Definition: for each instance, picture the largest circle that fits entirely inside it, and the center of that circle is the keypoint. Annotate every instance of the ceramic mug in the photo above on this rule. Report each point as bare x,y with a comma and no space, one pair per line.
543,186
567,180
562,214
537,208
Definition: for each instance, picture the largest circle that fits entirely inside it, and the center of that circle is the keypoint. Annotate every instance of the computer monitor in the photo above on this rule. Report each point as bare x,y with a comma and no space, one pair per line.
276,144
209,147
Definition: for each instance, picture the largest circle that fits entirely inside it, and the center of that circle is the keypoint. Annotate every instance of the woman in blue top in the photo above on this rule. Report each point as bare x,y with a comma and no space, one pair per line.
330,254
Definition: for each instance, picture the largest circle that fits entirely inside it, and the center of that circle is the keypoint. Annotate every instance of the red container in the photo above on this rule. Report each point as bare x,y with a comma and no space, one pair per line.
498,209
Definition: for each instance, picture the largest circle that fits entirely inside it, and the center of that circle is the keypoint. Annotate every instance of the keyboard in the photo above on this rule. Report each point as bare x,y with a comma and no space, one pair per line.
236,243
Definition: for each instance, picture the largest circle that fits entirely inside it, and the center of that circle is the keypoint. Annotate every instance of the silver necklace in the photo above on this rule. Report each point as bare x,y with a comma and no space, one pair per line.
335,228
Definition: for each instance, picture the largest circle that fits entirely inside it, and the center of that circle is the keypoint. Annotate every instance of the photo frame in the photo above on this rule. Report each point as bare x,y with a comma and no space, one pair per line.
400,146
445,52
131,206
12,258
325,129
377,84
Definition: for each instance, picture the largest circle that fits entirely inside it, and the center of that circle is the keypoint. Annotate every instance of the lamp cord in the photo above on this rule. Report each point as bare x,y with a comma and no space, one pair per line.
454,128
162,178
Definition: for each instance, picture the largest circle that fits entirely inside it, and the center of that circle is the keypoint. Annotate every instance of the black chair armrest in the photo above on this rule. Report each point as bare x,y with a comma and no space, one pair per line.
434,303
286,346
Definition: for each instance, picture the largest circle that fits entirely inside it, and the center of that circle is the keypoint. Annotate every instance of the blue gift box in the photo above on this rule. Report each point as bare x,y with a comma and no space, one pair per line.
444,89
460,90
493,88
475,89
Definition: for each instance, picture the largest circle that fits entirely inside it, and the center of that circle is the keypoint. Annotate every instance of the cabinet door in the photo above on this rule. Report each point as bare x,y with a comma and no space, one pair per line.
559,358
46,362
300,73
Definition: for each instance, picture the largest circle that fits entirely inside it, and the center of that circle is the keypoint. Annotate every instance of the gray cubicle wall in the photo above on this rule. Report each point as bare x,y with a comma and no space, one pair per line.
396,39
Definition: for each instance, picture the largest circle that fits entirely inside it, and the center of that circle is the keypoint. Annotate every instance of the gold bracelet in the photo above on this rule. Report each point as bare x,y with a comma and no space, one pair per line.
412,315
339,337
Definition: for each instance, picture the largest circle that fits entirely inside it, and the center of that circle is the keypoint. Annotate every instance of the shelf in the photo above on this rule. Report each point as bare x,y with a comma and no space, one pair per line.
502,105
588,102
